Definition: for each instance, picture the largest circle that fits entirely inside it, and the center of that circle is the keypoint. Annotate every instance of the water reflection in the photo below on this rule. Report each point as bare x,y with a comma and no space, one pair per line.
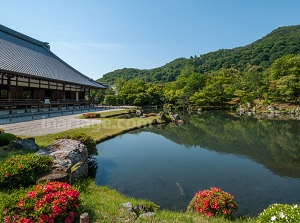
168,164
273,143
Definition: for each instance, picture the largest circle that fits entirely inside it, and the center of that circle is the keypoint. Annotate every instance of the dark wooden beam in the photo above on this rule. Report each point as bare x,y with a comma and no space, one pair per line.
9,87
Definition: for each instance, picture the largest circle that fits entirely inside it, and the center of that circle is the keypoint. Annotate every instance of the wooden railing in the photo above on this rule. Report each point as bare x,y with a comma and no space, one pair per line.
40,102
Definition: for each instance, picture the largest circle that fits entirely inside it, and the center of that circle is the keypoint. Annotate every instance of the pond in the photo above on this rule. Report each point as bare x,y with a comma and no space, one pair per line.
256,160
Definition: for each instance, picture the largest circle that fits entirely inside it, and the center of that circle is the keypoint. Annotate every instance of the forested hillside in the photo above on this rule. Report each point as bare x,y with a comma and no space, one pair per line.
263,52
267,70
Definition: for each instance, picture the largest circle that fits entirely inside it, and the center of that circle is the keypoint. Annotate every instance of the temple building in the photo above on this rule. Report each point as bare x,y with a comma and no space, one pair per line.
32,75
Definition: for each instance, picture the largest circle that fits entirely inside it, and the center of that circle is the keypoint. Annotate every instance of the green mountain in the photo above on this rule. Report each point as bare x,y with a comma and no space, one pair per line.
280,42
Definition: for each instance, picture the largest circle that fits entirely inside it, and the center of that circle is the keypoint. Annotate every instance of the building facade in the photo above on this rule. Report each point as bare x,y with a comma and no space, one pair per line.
31,74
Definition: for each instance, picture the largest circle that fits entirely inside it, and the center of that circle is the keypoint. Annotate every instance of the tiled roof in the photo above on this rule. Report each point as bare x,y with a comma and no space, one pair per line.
21,54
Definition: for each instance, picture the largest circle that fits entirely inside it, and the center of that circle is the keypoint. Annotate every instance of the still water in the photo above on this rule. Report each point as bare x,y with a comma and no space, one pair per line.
256,160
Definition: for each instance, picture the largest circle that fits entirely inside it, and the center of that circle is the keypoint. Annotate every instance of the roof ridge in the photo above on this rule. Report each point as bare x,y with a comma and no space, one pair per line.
23,36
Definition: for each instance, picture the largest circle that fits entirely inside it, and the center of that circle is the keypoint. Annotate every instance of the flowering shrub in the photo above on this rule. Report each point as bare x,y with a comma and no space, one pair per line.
280,213
213,202
22,170
91,115
50,202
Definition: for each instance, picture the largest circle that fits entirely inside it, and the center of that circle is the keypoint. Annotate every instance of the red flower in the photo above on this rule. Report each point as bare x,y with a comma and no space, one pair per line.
20,203
213,202
6,219
47,203
25,220
56,211
68,220
7,174
30,194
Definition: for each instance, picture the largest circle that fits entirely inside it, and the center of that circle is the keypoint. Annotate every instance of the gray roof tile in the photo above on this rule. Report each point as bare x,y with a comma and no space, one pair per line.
24,55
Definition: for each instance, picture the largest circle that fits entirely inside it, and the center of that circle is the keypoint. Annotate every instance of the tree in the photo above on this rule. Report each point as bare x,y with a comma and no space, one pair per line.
110,100
219,88
285,78
285,88
286,65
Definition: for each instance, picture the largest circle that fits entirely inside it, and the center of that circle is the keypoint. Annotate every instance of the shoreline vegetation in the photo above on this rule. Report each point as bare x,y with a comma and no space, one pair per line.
102,203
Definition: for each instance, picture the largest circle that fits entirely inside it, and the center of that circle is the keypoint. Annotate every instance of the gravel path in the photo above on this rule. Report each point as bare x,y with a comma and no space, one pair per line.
49,125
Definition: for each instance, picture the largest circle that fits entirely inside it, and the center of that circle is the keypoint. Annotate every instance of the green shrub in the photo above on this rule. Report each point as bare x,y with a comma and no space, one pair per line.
1,131
7,138
280,213
49,202
91,115
22,170
213,202
86,140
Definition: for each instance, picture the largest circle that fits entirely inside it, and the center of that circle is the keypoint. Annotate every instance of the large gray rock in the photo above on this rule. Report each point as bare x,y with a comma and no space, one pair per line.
66,153
54,176
25,144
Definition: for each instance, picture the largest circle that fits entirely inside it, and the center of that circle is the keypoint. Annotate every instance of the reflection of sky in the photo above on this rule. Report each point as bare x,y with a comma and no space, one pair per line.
149,166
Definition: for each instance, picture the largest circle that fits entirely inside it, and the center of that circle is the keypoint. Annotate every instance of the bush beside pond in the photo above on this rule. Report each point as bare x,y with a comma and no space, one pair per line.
213,202
22,170
280,213
91,115
49,202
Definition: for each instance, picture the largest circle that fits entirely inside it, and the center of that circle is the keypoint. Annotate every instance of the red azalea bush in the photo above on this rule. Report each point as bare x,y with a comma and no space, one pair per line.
213,202
50,202
91,115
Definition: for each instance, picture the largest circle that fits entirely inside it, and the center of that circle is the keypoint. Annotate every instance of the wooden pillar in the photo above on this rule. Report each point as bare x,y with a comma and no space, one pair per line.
64,91
84,218
9,87
102,95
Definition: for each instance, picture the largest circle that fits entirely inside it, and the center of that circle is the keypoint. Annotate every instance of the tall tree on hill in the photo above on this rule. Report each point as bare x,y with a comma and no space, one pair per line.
285,78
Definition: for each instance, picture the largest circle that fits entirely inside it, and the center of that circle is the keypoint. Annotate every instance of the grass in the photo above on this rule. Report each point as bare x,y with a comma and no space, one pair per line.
102,203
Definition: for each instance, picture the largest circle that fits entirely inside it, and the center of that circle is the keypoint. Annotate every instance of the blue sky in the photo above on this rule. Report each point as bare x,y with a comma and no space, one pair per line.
99,36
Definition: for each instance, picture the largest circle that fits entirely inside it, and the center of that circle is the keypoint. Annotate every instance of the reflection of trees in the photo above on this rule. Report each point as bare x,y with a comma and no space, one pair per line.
275,144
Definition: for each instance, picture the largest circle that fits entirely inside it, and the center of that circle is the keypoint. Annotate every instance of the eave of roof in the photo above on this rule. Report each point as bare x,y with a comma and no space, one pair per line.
23,55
